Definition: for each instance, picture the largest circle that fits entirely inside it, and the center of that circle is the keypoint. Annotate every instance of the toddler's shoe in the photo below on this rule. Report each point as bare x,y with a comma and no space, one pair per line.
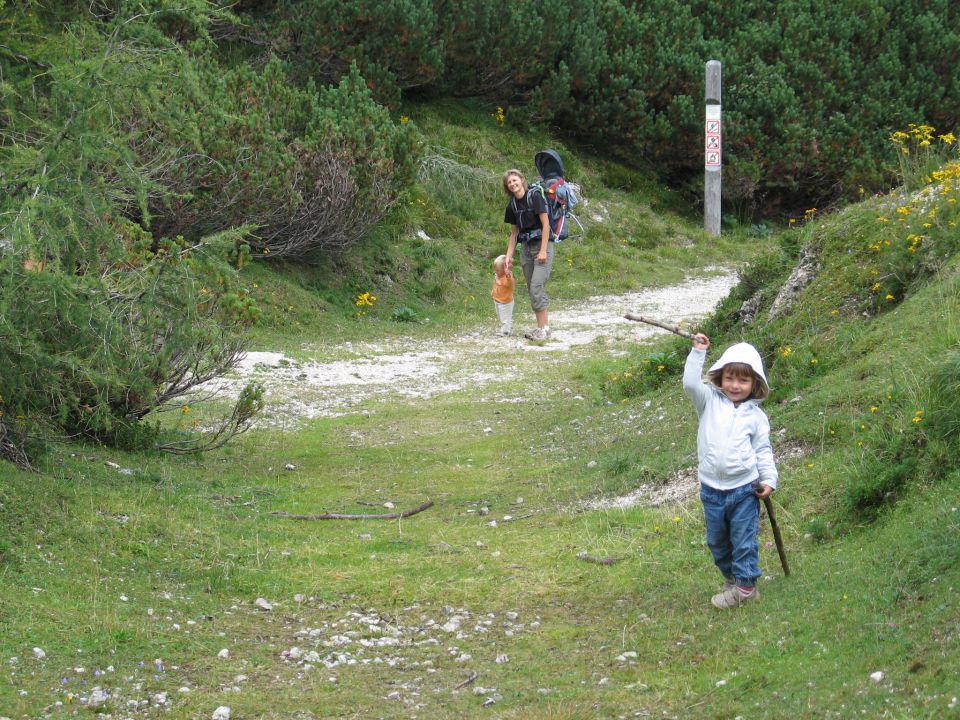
733,597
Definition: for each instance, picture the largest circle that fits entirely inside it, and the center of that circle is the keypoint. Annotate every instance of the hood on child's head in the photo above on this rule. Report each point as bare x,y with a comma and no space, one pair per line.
747,354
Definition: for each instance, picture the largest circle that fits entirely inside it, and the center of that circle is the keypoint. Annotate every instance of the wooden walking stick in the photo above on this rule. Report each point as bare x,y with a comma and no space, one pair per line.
675,329
768,504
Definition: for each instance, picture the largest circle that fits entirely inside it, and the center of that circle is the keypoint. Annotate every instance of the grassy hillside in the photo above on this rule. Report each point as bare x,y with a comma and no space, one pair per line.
134,573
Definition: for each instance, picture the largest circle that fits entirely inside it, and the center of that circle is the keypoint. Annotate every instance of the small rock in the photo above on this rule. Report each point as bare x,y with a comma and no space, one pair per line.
289,466
502,659
592,464
262,604
225,653
877,677
389,505
98,697
221,713
39,654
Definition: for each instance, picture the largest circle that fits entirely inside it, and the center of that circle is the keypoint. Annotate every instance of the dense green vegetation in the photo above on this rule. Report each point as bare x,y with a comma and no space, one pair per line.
812,89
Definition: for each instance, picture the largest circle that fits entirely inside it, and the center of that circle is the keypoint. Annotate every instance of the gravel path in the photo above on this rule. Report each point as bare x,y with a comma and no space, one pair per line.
418,368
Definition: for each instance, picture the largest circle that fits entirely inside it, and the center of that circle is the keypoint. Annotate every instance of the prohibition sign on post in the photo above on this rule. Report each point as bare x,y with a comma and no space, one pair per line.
713,153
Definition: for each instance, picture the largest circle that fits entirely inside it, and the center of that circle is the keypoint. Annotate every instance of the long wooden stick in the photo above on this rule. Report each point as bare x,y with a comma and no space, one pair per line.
342,516
604,560
675,329
768,503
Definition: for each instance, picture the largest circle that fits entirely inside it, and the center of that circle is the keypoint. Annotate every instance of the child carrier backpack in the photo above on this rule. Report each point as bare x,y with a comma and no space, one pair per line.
560,196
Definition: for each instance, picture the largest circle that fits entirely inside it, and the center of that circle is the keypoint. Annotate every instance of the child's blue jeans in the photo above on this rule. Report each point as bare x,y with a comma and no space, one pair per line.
733,518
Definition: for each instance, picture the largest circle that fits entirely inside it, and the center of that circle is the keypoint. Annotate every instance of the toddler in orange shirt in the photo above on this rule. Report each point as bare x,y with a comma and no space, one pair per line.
502,294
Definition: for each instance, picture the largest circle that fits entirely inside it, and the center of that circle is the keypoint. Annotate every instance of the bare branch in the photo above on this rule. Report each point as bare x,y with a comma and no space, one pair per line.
342,516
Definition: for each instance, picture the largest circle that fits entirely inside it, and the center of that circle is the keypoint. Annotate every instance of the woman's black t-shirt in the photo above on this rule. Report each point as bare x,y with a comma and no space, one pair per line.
521,214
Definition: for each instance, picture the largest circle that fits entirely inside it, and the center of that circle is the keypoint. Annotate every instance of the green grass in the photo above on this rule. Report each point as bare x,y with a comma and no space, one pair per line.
114,560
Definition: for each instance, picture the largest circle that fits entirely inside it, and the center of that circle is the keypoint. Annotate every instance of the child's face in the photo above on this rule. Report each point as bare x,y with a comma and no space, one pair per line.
736,387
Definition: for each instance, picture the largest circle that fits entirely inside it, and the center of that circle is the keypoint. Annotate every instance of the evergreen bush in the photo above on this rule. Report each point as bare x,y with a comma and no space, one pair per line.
101,322
312,170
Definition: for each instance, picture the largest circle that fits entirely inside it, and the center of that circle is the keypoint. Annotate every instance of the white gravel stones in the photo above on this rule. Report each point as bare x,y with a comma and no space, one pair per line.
225,653
452,625
221,713
263,604
877,677
38,653
418,370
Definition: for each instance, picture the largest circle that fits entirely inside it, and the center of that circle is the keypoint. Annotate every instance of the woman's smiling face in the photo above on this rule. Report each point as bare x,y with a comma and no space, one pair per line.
515,185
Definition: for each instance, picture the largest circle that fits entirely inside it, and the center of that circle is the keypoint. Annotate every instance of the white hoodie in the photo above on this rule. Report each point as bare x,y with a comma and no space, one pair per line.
733,442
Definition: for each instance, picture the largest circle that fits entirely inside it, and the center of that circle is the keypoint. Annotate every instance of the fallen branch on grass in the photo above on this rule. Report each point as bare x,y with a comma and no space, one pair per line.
343,516
473,676
608,560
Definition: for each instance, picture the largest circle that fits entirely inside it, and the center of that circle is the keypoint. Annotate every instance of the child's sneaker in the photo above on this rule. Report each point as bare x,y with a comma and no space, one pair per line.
537,334
733,597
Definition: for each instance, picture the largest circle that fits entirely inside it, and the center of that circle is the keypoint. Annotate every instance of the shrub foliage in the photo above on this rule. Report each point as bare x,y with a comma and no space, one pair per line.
811,90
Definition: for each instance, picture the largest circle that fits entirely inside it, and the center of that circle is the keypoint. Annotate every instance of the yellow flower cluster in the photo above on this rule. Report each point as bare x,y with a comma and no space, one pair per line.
922,135
365,300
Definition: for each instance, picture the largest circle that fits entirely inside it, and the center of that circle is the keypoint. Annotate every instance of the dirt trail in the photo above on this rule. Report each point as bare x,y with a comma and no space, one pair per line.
417,368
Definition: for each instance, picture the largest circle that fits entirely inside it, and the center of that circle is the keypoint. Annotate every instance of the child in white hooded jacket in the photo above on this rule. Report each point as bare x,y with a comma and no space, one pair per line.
733,446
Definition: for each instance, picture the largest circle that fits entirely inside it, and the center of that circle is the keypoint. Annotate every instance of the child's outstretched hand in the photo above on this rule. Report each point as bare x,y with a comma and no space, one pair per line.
701,341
